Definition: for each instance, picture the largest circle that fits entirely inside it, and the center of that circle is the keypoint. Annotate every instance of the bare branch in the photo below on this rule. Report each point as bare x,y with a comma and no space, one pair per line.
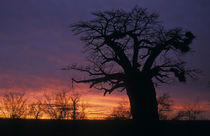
106,78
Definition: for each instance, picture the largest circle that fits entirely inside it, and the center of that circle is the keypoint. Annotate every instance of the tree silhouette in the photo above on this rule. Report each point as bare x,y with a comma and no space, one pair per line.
164,106
131,51
190,111
75,101
35,109
78,109
14,105
121,112
63,105
57,105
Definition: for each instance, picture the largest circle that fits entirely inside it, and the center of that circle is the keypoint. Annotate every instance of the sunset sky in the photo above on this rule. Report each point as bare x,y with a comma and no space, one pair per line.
36,42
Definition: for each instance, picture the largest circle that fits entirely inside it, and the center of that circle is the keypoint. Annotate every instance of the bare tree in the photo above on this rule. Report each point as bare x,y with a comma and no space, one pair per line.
14,105
63,105
2,113
190,111
35,109
58,105
130,51
121,112
75,101
78,109
82,111
164,106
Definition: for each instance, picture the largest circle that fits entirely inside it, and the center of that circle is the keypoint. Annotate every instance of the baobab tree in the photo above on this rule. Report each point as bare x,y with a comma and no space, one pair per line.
121,112
132,51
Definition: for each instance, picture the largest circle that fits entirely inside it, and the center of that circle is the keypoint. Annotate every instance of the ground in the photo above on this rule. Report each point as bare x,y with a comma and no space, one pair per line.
101,128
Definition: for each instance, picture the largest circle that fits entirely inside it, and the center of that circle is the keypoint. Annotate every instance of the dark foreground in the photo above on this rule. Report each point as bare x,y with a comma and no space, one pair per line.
101,128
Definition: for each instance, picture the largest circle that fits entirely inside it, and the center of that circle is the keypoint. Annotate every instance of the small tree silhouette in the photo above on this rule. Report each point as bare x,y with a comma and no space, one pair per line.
130,51
35,109
57,105
121,112
14,105
191,111
75,101
164,106
82,111
78,109
63,105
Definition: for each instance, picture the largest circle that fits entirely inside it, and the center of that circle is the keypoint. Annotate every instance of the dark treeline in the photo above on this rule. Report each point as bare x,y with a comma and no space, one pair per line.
59,106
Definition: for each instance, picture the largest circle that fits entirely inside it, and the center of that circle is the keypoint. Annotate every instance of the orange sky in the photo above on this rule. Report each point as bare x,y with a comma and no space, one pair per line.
100,106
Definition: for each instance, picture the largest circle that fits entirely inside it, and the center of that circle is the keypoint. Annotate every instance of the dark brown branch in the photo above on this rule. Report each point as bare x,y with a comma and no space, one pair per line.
94,81
116,86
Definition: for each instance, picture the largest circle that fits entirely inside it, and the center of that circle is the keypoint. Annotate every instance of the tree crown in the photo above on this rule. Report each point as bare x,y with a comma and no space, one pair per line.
121,43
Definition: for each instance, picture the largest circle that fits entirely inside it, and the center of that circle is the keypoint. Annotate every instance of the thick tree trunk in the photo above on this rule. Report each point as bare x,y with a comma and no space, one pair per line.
143,103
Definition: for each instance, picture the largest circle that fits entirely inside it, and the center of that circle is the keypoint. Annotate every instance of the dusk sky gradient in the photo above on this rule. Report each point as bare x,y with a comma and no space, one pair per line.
36,42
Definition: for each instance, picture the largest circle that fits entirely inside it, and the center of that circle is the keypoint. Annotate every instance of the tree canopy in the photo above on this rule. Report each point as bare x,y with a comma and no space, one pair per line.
119,43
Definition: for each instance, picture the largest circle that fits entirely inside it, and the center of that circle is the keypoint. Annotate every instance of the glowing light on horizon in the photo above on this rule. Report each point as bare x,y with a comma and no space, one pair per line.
98,106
